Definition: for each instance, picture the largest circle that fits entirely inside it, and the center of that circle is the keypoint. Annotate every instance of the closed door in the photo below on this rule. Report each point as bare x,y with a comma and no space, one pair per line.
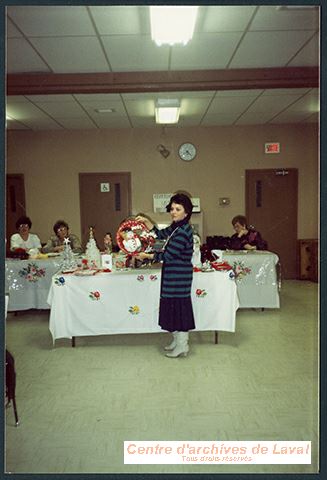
271,206
105,201
15,202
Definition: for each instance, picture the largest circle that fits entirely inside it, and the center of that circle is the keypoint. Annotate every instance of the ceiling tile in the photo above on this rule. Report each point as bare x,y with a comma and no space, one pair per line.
116,122
285,91
122,20
21,57
271,103
238,93
308,56
275,18
290,117
97,97
12,31
77,123
50,98
226,18
205,51
25,111
140,107
62,110
72,54
286,44
219,119
51,20
251,118
143,122
229,104
309,103
41,123
135,53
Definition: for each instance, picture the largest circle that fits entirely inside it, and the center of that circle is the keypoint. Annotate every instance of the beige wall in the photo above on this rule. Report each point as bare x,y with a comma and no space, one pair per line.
52,160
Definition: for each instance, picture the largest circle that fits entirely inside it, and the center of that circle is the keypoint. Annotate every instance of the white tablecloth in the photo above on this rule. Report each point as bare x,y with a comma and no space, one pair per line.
28,282
256,278
128,302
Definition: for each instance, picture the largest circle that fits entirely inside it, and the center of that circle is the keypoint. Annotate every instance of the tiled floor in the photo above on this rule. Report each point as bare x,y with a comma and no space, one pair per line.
78,405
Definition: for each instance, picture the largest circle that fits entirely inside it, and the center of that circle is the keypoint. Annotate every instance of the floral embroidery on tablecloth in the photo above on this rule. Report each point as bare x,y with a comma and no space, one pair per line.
140,278
153,278
240,270
60,281
134,310
94,295
32,273
200,293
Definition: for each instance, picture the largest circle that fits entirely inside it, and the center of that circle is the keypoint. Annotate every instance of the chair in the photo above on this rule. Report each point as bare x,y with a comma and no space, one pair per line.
11,384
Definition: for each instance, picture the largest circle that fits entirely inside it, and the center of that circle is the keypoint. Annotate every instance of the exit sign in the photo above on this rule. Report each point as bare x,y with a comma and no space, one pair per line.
272,147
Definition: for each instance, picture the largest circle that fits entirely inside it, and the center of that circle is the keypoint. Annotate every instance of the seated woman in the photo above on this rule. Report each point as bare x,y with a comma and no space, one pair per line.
245,238
24,239
56,242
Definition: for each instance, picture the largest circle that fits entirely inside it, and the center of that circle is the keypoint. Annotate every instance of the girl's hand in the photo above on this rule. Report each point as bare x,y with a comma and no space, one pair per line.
144,220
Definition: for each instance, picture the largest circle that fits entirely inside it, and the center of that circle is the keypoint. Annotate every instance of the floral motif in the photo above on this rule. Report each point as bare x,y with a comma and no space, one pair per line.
240,270
135,310
60,281
200,293
94,295
140,278
32,272
153,278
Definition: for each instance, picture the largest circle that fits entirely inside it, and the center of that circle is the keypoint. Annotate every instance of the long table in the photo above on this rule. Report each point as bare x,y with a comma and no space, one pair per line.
28,282
256,277
128,302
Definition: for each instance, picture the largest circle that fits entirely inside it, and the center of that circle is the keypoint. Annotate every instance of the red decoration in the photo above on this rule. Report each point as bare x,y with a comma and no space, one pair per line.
133,237
221,266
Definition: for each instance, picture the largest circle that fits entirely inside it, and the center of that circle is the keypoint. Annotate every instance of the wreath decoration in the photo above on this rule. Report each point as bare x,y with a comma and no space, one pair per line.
134,237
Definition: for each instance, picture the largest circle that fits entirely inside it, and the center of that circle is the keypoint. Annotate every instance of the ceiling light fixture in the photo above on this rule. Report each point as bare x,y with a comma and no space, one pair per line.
172,24
167,111
105,110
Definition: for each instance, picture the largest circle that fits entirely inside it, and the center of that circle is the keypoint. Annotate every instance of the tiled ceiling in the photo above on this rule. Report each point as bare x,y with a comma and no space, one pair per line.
103,39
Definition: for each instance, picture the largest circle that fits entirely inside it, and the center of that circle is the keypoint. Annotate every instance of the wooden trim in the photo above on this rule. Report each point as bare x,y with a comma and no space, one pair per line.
129,82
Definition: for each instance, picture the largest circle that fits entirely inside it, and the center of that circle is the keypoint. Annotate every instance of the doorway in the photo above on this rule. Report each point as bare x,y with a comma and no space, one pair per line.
105,201
15,202
271,207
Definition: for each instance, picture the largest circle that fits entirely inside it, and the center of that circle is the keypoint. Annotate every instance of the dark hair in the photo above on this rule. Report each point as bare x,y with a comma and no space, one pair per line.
239,219
184,200
22,220
58,224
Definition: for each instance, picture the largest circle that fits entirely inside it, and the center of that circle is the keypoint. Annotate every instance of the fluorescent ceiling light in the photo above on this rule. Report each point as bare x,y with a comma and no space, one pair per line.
172,24
167,111
105,110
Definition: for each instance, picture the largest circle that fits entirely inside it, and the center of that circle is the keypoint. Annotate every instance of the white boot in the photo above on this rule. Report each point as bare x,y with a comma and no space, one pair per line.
182,348
173,344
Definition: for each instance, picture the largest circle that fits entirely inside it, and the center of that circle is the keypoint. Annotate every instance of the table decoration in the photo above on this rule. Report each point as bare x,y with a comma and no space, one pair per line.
134,237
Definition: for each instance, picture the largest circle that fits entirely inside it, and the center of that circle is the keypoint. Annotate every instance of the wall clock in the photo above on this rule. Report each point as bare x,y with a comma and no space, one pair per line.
187,151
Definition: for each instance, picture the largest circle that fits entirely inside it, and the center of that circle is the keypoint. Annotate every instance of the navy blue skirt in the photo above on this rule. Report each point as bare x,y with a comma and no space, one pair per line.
176,314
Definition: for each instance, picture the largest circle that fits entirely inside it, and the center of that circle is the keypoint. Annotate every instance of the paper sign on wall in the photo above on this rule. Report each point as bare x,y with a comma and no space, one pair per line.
161,200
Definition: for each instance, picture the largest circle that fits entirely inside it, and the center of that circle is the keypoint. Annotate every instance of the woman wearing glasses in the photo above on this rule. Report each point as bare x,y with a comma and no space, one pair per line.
24,239
56,242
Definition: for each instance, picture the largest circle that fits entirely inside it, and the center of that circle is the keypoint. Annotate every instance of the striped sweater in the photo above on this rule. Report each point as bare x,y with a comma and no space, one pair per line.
177,271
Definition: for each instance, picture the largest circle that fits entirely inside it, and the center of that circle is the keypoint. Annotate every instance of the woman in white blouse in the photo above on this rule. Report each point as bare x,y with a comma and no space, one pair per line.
24,239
